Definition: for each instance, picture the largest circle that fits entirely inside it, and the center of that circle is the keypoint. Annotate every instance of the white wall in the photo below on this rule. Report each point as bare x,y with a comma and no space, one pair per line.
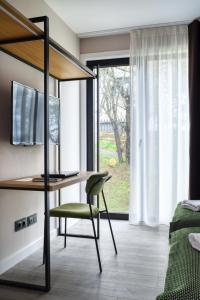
24,161
70,124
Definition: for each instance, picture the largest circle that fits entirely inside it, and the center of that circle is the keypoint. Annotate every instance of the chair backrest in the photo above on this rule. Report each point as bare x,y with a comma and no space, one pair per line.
96,182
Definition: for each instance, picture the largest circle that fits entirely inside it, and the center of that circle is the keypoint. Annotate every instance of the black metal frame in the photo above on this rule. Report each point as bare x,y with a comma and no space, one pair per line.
59,164
90,121
46,153
47,286
47,43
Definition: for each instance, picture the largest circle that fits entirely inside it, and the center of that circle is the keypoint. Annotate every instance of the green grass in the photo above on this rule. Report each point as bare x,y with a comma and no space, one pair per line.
108,145
117,190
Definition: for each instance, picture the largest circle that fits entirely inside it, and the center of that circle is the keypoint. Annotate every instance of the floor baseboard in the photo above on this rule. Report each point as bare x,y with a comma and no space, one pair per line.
21,254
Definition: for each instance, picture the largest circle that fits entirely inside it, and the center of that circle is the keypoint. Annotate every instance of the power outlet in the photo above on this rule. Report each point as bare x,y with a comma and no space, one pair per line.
20,224
31,220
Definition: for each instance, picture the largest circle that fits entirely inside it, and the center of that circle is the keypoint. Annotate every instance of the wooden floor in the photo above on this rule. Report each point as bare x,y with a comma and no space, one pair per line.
136,273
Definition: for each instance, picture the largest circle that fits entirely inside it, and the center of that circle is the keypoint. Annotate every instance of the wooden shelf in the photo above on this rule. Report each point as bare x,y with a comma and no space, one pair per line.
26,183
15,27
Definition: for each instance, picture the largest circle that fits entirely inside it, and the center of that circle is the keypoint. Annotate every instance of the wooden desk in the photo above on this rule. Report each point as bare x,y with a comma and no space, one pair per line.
24,184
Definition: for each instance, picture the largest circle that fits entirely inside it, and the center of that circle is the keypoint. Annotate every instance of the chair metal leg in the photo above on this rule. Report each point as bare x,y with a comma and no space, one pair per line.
95,236
98,227
98,220
108,216
96,244
65,237
44,250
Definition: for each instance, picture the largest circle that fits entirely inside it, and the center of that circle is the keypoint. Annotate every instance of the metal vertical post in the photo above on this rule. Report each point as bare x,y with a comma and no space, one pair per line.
46,154
97,141
89,125
59,164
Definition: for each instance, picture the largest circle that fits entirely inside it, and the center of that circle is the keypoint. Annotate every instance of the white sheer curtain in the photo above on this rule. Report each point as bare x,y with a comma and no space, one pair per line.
160,123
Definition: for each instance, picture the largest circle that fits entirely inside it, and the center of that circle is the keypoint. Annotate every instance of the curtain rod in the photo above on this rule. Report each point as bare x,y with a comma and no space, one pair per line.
128,29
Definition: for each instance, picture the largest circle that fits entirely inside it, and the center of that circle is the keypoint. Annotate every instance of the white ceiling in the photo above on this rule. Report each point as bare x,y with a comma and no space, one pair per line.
86,16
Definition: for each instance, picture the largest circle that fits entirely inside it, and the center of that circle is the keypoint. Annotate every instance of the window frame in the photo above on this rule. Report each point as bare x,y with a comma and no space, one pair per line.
90,119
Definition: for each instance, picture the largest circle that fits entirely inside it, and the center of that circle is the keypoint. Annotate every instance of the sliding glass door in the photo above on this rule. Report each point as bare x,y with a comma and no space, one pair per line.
109,114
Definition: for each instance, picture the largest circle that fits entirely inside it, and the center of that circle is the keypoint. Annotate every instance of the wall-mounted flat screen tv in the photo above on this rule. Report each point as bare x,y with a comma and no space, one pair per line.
28,116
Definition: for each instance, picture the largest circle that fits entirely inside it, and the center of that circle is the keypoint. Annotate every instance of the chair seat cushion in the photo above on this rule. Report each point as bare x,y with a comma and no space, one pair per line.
74,210
184,218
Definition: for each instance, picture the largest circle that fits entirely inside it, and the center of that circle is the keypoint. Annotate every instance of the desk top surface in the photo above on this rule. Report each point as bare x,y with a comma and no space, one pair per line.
26,183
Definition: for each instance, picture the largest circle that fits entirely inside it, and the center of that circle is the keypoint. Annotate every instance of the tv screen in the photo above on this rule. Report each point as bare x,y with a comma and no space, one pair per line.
28,116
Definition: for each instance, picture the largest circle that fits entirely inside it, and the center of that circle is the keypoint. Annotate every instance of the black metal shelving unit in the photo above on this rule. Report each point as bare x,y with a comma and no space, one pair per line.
21,33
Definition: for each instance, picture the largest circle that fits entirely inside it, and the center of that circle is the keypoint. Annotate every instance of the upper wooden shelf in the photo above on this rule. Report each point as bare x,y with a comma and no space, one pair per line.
14,27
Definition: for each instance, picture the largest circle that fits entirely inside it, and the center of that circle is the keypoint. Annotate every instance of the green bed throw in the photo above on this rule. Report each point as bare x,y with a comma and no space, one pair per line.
183,274
184,218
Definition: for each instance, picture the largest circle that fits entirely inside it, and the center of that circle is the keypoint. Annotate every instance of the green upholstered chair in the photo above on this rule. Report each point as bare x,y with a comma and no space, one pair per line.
94,187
